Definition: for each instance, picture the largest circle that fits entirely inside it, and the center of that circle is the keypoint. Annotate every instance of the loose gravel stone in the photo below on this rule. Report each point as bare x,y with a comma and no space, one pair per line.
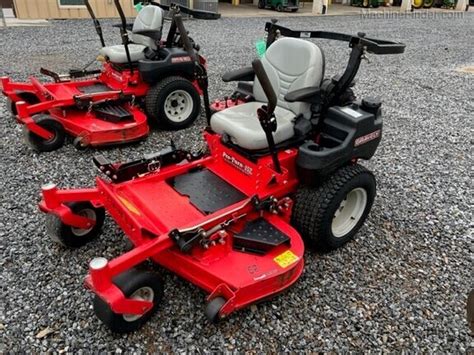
401,285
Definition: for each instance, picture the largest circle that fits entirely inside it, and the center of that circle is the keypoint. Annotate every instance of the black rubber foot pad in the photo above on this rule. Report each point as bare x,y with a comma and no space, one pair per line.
207,191
112,113
92,89
259,236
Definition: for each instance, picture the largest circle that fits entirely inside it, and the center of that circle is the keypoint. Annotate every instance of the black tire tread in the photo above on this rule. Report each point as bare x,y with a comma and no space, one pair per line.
312,203
48,122
153,100
213,308
129,281
62,233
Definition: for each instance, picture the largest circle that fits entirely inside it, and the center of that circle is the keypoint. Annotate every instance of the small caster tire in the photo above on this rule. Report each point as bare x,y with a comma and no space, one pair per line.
80,143
52,125
11,107
329,215
27,97
72,237
135,284
213,308
173,103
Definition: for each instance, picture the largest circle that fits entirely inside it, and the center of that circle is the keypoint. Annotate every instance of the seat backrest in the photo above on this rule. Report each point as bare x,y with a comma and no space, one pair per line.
291,64
150,18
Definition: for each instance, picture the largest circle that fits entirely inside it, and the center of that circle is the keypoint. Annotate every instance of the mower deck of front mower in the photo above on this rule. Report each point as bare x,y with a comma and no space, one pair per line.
254,257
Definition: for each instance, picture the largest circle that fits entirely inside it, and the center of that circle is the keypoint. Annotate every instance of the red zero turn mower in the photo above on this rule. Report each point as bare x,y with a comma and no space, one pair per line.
281,172
101,107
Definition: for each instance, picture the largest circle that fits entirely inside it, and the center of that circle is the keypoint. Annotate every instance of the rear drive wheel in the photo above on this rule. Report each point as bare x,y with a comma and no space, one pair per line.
329,215
135,284
73,237
52,125
213,308
279,7
261,4
173,103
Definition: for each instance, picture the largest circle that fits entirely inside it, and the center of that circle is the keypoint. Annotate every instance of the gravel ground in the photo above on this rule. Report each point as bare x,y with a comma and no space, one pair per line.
401,285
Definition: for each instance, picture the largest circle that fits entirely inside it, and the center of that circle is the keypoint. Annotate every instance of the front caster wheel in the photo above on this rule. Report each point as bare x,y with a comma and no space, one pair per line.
11,107
73,237
173,103
329,215
139,285
80,143
213,308
52,125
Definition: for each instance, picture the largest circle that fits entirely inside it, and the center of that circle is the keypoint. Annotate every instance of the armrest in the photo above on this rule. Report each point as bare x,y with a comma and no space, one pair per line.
308,94
243,74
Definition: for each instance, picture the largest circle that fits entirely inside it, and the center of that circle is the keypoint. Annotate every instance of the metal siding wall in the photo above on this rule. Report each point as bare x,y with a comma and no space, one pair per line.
50,9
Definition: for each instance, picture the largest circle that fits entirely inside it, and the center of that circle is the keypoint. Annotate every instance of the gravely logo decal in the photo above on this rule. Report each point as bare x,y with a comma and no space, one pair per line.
181,59
367,138
237,164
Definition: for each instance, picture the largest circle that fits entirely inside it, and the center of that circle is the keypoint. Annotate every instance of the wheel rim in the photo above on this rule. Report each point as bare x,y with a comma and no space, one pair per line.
142,294
349,212
87,213
178,106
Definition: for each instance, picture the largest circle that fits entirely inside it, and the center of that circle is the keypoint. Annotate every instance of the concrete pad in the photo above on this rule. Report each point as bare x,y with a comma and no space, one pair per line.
14,22
8,13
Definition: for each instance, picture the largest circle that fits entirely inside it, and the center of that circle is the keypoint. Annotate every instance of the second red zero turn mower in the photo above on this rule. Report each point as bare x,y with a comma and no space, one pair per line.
281,171
145,76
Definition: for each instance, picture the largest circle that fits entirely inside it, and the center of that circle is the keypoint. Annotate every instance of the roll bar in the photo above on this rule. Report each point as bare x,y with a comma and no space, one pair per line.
360,46
372,45
124,34
197,14
98,27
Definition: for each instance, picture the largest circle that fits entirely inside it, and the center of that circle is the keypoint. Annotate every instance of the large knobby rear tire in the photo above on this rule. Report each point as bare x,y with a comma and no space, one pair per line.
328,216
52,125
135,284
72,237
173,103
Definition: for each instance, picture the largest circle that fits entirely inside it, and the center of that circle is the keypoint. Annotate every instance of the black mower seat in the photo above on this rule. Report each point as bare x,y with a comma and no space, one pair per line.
290,64
150,18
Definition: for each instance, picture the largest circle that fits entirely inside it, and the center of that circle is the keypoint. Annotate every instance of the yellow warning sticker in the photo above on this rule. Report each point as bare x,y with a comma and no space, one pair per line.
130,206
286,259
